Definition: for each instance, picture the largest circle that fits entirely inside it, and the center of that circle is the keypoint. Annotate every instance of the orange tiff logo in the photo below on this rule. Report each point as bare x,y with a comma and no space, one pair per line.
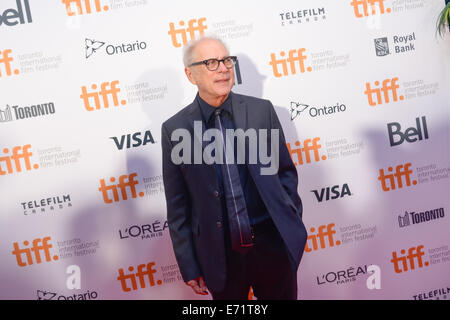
324,232
308,147
13,162
295,59
406,262
388,86
394,180
194,26
125,182
38,245
107,89
6,60
71,4
144,271
364,4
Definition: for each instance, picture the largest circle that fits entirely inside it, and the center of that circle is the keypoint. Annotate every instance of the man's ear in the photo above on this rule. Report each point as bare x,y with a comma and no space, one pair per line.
189,75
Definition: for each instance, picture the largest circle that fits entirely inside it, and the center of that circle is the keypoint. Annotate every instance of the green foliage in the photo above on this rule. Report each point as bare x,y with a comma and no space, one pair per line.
443,21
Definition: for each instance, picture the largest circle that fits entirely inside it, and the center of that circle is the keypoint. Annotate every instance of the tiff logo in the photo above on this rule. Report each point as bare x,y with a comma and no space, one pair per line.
125,181
389,85
143,271
414,254
306,151
194,25
13,161
364,4
70,4
400,171
294,56
321,235
106,89
38,246
6,60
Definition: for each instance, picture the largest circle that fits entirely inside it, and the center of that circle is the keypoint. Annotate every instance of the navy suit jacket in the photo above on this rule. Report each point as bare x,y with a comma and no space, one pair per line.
194,210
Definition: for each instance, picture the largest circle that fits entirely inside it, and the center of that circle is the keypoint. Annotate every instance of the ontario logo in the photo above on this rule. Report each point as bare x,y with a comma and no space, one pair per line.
92,46
49,295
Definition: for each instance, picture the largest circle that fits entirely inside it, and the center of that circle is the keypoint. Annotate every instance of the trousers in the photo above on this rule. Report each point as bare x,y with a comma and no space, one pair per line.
266,268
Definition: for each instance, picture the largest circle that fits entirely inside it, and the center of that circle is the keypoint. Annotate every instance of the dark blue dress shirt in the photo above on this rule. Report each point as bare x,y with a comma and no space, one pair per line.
257,211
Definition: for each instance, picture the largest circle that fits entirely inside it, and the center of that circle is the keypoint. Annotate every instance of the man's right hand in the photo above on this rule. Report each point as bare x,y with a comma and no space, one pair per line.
198,285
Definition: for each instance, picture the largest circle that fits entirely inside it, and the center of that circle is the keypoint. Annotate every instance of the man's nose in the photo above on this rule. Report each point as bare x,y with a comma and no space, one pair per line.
222,67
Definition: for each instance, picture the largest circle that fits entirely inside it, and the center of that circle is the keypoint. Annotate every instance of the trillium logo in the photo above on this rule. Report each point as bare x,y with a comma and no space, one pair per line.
92,46
297,108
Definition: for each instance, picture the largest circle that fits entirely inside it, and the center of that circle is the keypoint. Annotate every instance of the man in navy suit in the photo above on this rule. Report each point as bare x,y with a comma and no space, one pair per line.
206,210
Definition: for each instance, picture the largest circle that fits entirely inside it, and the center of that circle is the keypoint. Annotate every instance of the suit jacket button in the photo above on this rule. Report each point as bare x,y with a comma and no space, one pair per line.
216,193
219,224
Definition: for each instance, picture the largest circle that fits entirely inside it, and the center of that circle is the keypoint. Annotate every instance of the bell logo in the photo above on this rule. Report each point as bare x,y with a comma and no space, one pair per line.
38,245
13,161
142,271
414,254
107,88
295,55
125,181
389,85
364,4
11,17
321,235
194,25
412,134
306,151
6,60
400,171
70,4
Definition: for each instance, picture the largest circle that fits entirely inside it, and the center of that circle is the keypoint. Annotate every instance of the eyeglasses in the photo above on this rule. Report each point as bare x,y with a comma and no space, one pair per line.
213,64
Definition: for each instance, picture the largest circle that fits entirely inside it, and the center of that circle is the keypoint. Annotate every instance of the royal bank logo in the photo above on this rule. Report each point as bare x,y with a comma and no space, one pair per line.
401,44
92,46
381,47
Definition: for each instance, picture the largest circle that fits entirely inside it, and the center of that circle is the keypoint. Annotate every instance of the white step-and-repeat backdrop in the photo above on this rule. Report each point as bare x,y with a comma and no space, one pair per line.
361,88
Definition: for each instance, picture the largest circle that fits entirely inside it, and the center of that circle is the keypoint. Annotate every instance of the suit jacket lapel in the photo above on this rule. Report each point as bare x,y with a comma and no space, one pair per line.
239,112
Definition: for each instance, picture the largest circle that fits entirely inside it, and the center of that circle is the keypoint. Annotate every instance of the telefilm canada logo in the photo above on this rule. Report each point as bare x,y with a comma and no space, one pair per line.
92,46
302,16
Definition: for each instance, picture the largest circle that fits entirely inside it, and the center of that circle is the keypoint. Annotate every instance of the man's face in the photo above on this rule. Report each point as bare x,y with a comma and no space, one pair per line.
212,85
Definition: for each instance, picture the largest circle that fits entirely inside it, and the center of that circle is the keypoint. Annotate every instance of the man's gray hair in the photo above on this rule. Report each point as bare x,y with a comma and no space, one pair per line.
188,50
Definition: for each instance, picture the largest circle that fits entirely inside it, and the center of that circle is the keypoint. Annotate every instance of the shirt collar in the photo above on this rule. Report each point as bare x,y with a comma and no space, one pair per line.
208,110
